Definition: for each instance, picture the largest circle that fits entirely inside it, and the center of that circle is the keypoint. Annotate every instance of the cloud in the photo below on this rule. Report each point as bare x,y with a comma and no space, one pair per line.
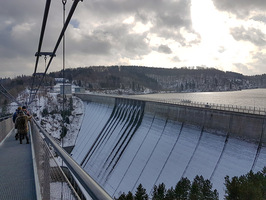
164,49
109,32
255,36
256,66
241,68
96,29
241,8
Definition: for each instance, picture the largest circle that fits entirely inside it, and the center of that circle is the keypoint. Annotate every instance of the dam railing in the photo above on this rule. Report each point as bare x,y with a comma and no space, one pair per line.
225,107
182,102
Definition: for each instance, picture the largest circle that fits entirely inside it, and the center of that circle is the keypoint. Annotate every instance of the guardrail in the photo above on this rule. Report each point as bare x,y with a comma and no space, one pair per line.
6,126
185,102
89,185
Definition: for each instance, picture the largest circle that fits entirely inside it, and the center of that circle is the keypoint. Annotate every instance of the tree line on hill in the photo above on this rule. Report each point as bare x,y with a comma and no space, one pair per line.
138,80
251,186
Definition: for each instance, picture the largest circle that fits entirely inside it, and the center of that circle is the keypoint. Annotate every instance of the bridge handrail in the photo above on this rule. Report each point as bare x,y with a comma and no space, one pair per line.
92,187
6,126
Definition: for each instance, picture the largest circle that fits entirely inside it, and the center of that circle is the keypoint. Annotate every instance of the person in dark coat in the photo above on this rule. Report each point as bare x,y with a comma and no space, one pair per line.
26,112
15,115
22,125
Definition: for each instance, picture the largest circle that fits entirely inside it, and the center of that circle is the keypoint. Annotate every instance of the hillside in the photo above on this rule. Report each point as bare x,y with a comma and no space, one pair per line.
138,80
135,79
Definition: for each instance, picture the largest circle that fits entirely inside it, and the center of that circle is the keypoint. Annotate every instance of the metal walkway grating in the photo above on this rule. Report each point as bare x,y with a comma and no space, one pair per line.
16,170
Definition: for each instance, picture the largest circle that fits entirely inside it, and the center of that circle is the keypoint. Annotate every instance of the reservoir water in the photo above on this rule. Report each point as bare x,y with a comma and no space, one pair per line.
244,98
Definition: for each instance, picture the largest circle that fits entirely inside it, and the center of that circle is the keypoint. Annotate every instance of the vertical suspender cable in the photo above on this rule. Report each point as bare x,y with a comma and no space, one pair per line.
64,10
63,113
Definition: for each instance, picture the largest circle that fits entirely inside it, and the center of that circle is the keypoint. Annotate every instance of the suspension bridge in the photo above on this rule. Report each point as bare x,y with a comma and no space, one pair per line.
124,142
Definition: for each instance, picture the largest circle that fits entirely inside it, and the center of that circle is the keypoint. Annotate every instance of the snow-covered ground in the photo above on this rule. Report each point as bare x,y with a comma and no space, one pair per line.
53,121
120,157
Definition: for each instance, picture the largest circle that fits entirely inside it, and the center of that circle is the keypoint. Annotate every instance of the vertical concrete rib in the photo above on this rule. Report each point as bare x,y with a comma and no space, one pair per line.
225,144
96,140
120,141
150,155
133,159
180,131
136,123
201,133
259,146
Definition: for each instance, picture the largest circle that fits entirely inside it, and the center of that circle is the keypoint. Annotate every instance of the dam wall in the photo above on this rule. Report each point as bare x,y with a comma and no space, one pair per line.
234,124
124,142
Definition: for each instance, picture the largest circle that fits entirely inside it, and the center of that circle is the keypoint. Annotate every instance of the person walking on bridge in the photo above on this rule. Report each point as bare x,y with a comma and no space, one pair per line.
26,112
15,115
21,125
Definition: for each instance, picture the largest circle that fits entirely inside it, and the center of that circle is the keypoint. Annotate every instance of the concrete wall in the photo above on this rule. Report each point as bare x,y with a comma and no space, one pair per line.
241,125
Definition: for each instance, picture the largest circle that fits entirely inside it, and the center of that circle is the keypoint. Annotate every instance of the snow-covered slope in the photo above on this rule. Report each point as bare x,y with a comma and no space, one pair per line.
121,146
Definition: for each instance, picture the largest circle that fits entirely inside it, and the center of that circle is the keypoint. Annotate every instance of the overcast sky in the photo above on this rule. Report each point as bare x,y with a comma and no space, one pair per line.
229,35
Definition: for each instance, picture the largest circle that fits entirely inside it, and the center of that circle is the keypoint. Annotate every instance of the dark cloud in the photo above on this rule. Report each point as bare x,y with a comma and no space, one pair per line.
164,16
240,8
175,59
112,40
252,35
260,18
164,49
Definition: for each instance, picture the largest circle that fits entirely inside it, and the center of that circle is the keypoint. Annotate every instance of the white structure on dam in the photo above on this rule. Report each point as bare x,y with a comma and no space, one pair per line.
121,145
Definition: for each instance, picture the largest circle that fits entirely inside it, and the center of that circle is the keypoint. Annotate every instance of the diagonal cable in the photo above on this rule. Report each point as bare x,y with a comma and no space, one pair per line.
4,91
74,5
45,16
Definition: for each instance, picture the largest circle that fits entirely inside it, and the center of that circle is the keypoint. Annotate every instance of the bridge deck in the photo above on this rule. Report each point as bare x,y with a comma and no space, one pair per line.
16,170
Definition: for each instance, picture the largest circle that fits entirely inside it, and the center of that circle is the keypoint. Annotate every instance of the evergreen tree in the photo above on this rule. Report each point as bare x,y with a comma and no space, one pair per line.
159,192
249,186
182,189
170,194
129,196
124,196
141,193
202,190
121,197
195,192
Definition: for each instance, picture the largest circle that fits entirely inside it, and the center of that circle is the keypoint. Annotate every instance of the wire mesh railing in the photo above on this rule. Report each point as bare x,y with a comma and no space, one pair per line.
52,183
6,126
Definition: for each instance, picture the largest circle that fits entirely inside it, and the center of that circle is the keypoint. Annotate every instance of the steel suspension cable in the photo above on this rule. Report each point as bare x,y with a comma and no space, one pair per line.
71,12
45,16
4,91
64,11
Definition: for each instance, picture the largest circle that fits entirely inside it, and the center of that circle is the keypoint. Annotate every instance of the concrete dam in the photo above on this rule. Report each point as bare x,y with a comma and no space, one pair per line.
124,142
